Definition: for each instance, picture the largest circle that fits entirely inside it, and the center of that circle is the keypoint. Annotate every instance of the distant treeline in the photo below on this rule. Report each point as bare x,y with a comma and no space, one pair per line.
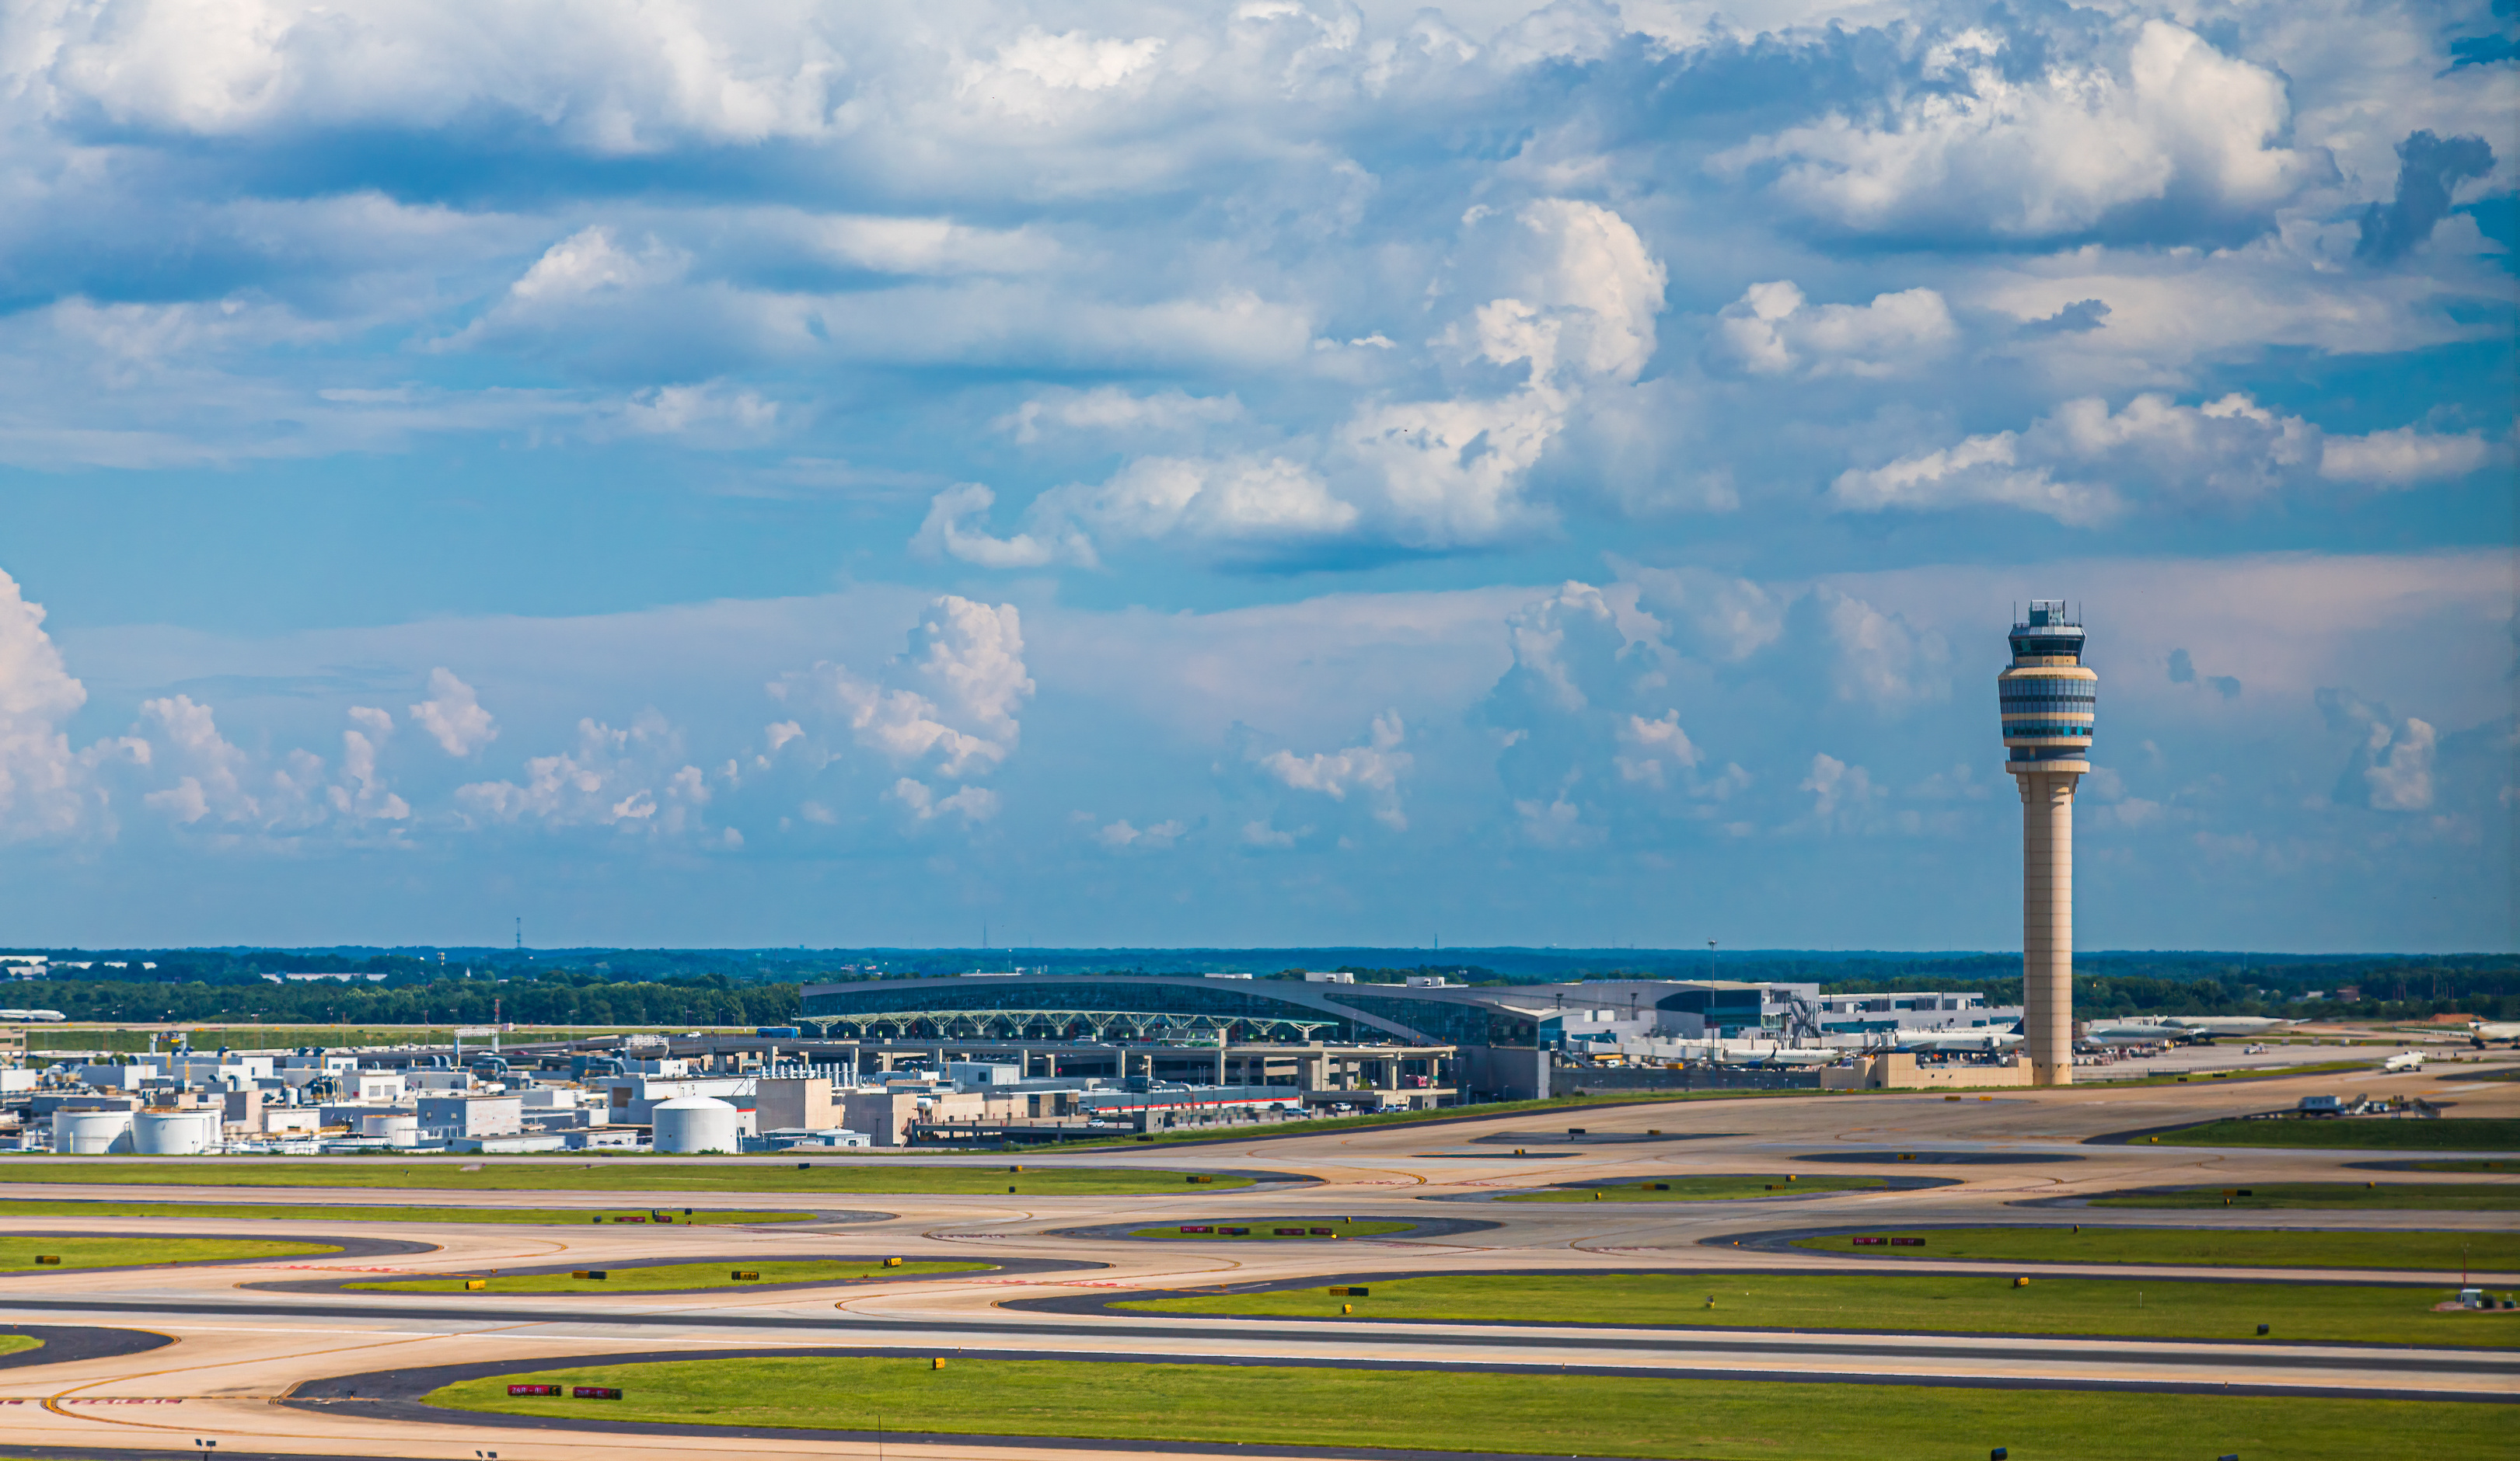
2370,988
711,1000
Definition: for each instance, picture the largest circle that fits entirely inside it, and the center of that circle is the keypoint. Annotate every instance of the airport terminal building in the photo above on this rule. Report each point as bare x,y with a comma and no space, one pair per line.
1442,1043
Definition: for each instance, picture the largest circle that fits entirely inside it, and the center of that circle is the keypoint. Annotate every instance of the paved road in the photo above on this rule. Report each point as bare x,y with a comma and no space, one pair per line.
240,1346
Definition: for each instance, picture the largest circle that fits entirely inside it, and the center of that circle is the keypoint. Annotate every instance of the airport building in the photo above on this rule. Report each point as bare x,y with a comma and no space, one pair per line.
1425,1042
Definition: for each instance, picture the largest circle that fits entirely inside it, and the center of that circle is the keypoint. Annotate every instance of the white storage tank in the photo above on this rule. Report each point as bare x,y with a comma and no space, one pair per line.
695,1124
396,1129
89,1133
174,1133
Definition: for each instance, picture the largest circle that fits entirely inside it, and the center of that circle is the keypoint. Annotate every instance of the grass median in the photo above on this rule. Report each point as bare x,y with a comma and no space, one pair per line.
2442,1197
2248,1248
275,1211
1553,1414
2445,1133
18,1250
19,1343
1698,1189
1274,1230
620,1175
667,1277
1926,1303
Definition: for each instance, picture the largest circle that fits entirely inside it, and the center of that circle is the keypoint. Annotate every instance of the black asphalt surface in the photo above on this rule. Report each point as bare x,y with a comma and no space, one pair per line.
1938,1159
1780,1194
1419,1227
66,1343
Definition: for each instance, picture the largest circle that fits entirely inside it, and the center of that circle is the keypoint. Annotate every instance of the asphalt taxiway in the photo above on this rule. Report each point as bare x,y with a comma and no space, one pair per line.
273,1357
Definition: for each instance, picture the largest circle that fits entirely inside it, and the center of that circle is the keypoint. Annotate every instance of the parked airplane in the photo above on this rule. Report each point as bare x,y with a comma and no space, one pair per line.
2133,1032
2212,1025
1959,1039
2486,1029
32,1016
2412,1060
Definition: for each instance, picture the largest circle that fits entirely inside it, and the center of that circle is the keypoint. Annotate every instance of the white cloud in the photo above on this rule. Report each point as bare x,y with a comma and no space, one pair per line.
2402,457
1374,771
362,794
42,780
972,804
1122,834
1841,794
2071,463
949,703
213,771
453,716
1880,659
1773,331
626,779
1113,410
709,414
2176,126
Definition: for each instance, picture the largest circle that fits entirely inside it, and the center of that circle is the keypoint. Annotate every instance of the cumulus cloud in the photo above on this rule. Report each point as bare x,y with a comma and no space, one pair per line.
627,779
1773,331
2429,167
1123,833
1372,771
2403,458
38,772
947,706
2170,138
1432,474
453,716
2392,764
1842,795
2081,463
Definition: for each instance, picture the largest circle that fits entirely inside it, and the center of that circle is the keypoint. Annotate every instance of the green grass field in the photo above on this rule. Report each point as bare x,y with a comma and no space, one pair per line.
668,1277
276,1211
613,1175
18,1250
2443,1197
1704,1420
1265,1230
2436,1252
17,1344
1962,1303
2447,1133
1701,1189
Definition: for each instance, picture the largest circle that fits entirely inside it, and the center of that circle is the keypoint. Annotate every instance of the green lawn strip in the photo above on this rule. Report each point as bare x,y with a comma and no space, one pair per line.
650,1178
286,1213
1265,1230
1706,1420
2446,1197
1699,1189
14,1343
2446,1134
1958,1304
668,1277
2256,1248
18,1250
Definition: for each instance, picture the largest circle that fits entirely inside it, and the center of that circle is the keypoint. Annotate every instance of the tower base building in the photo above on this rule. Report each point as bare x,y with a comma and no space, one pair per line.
2048,699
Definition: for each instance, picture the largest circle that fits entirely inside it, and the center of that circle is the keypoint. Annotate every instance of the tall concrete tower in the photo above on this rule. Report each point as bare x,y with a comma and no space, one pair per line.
2047,701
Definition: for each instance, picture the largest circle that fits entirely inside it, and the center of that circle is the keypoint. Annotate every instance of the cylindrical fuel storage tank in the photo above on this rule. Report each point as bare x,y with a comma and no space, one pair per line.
398,1130
89,1133
174,1133
695,1124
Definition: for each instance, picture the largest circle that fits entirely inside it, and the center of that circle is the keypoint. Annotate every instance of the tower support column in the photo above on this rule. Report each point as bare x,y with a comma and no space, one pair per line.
2048,923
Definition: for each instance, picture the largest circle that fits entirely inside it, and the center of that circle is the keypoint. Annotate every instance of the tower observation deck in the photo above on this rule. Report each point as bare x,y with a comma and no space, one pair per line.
2048,699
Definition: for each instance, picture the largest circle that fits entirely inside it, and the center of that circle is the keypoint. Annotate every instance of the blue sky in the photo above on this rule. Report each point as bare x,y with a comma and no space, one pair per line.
1264,474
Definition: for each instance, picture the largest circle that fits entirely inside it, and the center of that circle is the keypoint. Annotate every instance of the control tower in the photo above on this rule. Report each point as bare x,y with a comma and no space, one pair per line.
2047,701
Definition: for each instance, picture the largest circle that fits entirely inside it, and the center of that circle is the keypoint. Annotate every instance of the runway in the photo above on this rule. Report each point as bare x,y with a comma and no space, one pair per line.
265,1370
